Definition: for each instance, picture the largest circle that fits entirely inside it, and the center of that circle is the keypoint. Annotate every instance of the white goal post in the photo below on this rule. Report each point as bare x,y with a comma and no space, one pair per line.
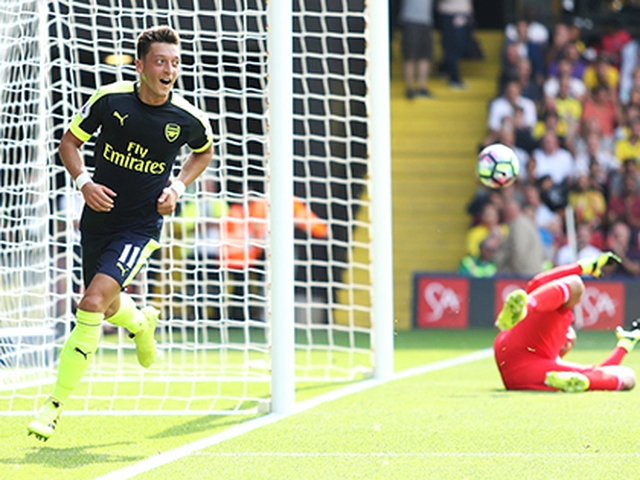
275,273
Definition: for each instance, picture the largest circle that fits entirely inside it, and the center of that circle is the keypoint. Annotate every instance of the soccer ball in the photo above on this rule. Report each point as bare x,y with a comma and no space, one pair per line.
498,166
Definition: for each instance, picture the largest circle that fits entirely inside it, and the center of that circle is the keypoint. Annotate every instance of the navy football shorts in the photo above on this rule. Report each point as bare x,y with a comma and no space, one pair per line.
120,256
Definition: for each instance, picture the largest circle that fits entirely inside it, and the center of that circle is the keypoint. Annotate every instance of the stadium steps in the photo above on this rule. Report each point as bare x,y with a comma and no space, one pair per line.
434,144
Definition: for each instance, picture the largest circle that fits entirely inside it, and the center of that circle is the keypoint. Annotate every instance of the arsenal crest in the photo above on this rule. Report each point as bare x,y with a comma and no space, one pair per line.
172,131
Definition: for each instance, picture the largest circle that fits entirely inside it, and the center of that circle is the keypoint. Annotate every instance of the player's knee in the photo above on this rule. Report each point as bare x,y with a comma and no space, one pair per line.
576,290
93,303
628,378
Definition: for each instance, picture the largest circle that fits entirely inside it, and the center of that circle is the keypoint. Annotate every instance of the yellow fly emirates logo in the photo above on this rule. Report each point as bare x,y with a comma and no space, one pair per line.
133,159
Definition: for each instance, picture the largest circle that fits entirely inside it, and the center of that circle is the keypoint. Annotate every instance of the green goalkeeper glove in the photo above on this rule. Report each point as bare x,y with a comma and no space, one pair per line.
593,266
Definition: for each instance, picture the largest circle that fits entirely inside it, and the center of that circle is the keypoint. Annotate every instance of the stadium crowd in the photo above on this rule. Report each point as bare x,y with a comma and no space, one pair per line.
570,109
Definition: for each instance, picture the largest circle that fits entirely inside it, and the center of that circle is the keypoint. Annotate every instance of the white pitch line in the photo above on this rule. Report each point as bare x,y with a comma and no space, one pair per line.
172,455
414,455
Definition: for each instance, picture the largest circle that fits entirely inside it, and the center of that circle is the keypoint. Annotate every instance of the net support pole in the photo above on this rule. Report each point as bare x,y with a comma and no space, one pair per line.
381,201
281,264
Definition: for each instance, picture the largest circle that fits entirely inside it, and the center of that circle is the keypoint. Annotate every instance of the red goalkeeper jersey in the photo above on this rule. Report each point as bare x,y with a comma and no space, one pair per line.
525,353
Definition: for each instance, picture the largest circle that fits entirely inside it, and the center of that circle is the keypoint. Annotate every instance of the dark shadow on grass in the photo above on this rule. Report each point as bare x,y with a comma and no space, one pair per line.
310,387
202,424
71,457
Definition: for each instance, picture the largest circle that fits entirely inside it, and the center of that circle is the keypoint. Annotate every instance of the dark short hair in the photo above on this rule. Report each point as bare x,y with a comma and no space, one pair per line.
159,34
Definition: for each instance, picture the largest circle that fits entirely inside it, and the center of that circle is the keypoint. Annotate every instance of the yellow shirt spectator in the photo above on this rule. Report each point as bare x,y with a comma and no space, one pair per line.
629,147
588,204
489,222
569,109
604,70
478,233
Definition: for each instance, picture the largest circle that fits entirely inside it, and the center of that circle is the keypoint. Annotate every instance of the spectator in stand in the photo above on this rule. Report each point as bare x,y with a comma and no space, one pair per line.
634,98
554,196
575,35
602,72
522,251
627,148
529,86
524,137
616,179
577,88
588,203
508,66
585,249
455,24
484,264
571,53
552,160
599,180
527,49
588,127
569,108
536,32
489,225
629,70
506,106
601,107
560,38
619,242
416,18
629,113
596,154
482,196
625,207
548,222
613,40
551,122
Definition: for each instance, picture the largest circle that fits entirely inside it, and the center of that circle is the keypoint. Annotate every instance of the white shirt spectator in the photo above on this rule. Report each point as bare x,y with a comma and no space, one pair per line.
607,161
577,88
536,33
552,160
501,108
564,256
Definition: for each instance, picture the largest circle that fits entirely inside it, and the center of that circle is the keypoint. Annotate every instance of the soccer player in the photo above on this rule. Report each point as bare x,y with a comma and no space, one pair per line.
142,127
536,333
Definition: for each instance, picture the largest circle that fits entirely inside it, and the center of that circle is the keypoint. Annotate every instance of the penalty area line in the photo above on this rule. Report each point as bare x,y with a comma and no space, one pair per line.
170,456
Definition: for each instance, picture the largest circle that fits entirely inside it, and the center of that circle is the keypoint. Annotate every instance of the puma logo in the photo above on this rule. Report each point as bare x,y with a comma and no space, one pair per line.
120,118
122,268
85,355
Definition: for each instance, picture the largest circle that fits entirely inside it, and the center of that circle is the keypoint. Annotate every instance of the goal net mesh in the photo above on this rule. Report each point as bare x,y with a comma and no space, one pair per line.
209,278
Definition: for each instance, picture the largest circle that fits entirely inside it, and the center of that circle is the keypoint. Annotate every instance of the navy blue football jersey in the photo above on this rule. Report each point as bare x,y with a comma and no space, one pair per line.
134,153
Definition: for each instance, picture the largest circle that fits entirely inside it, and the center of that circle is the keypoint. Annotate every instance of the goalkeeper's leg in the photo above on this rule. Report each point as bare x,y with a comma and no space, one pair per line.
74,360
141,325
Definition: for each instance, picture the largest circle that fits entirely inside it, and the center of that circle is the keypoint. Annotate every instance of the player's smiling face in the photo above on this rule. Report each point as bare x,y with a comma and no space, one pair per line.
158,71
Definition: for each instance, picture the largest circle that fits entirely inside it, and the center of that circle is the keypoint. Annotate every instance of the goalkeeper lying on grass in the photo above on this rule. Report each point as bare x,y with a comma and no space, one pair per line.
536,333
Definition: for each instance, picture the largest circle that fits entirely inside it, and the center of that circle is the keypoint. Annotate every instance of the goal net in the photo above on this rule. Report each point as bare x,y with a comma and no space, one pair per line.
209,278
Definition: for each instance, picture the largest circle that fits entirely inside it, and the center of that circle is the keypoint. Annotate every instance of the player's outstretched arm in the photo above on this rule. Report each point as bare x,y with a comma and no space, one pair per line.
98,197
195,164
593,265
589,266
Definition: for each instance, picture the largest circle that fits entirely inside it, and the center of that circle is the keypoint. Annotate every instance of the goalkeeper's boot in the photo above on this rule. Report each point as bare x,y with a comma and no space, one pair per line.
570,382
145,343
44,425
513,310
628,339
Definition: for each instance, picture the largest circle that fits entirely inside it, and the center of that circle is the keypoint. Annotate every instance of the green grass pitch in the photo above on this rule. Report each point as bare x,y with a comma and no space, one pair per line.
456,423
